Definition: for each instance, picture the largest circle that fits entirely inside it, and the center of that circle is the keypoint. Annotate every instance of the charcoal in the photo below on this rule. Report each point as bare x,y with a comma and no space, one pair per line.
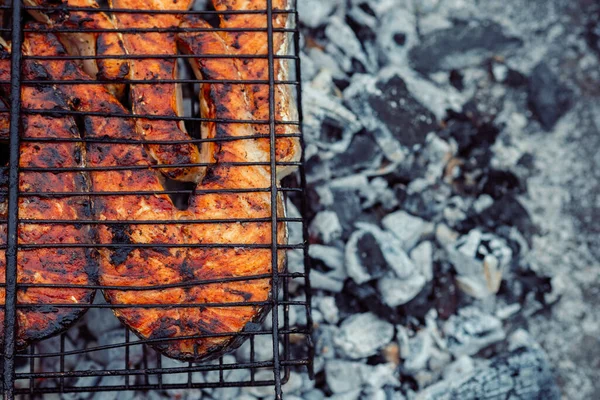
407,228
314,13
343,376
363,153
418,350
388,105
461,46
364,258
117,337
523,374
480,261
422,257
456,79
327,121
360,298
445,295
345,44
508,211
101,320
325,227
293,385
592,32
548,98
396,292
348,209
314,394
471,331
362,335
319,280
329,309
397,33
331,257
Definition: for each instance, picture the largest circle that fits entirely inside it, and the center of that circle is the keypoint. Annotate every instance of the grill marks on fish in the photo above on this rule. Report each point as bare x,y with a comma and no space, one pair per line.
158,99
256,43
87,43
148,267
48,265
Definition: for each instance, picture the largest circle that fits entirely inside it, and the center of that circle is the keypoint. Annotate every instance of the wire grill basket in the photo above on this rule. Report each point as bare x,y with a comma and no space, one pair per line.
47,366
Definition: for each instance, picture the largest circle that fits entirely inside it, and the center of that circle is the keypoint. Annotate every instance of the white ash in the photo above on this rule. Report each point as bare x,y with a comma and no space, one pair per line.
472,330
480,260
407,228
422,258
362,335
314,13
396,292
326,227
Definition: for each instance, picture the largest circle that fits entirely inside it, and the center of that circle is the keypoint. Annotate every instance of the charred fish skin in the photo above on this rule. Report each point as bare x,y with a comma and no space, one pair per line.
197,273
155,98
65,15
73,266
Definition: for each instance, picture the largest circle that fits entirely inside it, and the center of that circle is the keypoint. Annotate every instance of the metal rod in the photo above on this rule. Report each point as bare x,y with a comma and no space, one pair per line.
10,299
274,194
304,206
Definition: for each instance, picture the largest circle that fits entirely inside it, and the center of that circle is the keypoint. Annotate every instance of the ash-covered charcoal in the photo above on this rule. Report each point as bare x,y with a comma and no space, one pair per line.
480,260
523,374
325,227
361,298
407,228
592,31
388,109
363,335
396,34
364,259
327,122
461,46
396,292
347,48
472,330
506,211
314,13
420,350
549,99
428,151
362,153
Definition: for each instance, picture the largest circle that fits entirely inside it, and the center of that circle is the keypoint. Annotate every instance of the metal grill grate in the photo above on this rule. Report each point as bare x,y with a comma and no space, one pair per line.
28,372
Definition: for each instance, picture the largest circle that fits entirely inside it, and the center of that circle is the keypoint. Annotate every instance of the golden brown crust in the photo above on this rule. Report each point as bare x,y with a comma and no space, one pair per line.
158,99
88,43
256,44
49,265
145,267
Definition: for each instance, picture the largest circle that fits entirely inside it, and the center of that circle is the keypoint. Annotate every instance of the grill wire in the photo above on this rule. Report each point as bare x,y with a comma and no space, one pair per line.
34,381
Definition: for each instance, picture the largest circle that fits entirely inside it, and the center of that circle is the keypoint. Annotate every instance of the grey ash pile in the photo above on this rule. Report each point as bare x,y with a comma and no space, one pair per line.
453,172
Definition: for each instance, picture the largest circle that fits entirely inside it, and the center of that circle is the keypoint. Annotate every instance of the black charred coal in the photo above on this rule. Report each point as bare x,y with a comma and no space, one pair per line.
548,98
461,46
356,298
361,154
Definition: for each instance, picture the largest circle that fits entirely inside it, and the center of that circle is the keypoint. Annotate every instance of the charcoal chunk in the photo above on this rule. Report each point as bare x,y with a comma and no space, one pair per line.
548,98
392,108
461,46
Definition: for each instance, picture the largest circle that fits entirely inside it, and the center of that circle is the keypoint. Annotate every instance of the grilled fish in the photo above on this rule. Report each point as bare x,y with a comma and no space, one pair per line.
158,99
74,266
181,289
250,42
104,43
